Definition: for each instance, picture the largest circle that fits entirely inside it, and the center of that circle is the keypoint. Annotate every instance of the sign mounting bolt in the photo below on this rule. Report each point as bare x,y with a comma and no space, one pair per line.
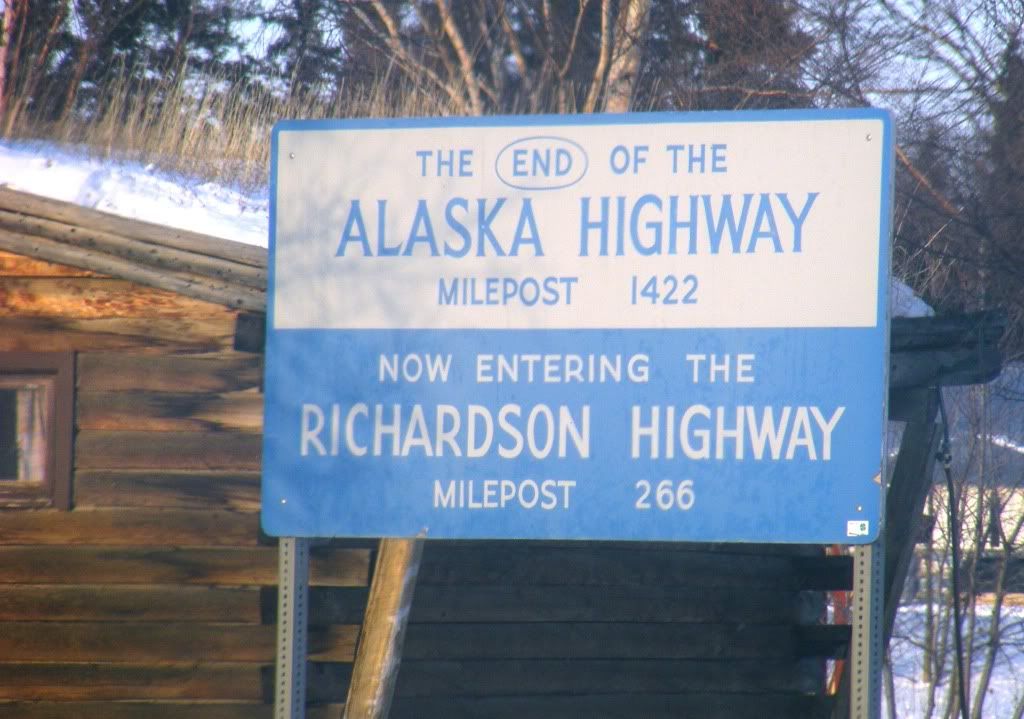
866,137
291,155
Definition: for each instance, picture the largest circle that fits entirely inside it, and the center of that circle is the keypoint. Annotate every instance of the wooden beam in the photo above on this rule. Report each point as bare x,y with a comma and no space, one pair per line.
132,249
219,372
61,564
161,642
95,298
379,652
905,499
211,289
72,214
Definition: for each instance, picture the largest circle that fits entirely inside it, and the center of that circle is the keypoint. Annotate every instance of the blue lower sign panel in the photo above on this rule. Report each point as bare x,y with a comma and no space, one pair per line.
650,327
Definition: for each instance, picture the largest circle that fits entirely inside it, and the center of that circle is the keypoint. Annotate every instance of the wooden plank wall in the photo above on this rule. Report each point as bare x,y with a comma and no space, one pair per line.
154,596
588,629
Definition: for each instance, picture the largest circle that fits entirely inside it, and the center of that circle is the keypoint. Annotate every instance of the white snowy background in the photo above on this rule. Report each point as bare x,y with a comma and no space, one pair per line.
141,192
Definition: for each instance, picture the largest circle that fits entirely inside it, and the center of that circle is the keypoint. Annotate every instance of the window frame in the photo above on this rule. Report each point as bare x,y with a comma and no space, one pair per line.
55,489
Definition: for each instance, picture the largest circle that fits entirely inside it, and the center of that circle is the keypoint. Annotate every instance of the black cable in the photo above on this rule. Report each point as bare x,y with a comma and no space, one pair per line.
945,456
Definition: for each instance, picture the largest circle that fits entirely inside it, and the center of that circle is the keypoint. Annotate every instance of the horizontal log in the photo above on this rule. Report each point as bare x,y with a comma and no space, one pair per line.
520,677
52,334
92,681
167,412
706,705
72,214
588,640
211,289
222,681
57,565
14,265
223,372
49,603
163,642
510,563
168,489
509,603
153,710
131,249
124,449
132,527
134,710
90,298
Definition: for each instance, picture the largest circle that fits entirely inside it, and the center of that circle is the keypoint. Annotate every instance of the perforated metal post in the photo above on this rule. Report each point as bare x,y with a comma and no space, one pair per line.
292,610
866,642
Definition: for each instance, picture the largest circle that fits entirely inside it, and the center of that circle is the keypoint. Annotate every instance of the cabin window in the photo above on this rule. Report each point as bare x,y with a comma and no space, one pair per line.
36,415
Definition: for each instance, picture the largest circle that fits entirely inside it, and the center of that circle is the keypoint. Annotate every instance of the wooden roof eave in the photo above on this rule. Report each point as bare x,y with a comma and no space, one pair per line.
215,270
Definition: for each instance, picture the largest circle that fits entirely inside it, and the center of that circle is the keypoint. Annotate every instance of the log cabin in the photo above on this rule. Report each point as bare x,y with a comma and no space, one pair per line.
135,580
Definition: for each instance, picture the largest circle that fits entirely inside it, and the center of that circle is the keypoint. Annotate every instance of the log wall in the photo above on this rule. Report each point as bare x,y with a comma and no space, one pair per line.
150,598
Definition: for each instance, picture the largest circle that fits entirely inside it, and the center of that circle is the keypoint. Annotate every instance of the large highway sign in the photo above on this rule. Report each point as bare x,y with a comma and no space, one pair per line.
641,326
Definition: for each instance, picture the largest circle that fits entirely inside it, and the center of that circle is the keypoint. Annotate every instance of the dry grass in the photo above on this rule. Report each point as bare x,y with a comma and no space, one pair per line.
217,131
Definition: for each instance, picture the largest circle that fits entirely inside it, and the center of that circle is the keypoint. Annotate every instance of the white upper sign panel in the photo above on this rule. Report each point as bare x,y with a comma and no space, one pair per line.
550,225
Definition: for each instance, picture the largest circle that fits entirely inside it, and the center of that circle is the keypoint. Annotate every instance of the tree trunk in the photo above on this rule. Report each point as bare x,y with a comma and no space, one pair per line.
85,51
6,23
28,87
630,31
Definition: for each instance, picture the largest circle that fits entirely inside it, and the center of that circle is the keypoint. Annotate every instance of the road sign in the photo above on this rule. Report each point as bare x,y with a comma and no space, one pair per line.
640,326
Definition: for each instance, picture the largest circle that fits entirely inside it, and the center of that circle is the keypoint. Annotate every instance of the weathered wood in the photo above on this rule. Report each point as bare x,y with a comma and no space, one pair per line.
706,705
52,334
326,682
945,367
131,249
975,329
168,489
14,265
250,332
518,677
167,412
524,603
100,449
66,212
220,681
588,640
161,642
62,603
133,565
210,289
133,710
512,563
151,710
216,373
383,631
89,298
132,527
92,681
905,500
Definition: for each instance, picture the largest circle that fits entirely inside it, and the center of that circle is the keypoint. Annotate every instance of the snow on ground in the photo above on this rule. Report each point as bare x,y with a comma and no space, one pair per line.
141,192
135,191
1003,692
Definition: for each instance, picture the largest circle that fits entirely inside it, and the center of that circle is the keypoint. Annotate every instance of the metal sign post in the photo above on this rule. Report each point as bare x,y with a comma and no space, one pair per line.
866,639
292,613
